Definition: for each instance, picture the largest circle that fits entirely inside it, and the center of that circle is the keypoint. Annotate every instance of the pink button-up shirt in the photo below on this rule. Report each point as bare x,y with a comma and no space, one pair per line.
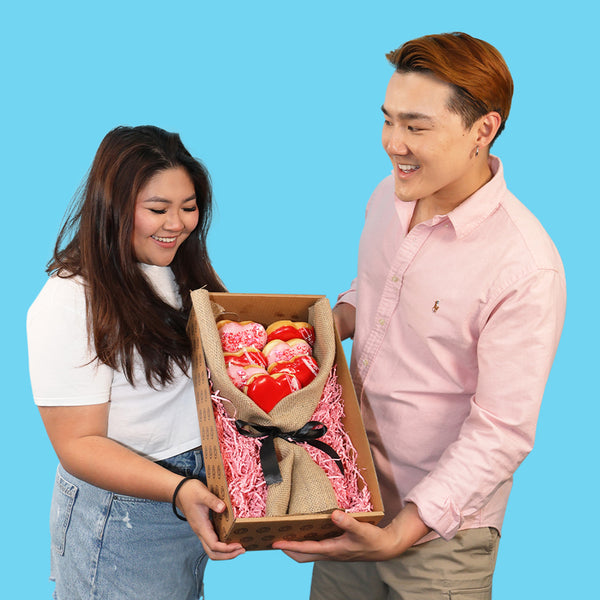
457,325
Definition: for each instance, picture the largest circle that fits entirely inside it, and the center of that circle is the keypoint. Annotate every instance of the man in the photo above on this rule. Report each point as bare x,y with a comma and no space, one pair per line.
456,314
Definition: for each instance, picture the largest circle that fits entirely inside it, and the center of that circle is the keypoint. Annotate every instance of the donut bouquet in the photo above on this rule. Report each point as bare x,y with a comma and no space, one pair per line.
268,364
273,385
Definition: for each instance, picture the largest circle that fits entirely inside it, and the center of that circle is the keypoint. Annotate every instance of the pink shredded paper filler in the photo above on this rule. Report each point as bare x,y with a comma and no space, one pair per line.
241,460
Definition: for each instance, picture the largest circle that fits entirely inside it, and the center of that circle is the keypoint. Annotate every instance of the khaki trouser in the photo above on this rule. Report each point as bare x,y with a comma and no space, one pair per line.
461,568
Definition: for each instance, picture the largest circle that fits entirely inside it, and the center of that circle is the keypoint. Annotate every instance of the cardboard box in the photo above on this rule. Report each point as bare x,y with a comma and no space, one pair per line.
259,533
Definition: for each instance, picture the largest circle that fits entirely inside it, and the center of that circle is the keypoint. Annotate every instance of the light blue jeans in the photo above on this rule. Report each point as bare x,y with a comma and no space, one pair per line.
111,547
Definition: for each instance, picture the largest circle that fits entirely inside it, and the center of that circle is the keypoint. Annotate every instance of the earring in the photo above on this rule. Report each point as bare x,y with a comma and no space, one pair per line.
477,151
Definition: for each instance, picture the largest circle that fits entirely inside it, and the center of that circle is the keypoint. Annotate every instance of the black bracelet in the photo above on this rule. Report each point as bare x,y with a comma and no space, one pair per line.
173,505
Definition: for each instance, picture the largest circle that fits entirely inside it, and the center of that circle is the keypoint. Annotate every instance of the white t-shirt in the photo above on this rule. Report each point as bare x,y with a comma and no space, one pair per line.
64,372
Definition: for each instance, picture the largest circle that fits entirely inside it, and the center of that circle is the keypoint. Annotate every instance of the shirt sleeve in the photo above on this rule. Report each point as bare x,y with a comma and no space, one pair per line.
515,351
62,366
349,296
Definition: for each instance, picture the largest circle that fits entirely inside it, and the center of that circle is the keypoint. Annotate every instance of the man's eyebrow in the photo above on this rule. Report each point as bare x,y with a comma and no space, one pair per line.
410,116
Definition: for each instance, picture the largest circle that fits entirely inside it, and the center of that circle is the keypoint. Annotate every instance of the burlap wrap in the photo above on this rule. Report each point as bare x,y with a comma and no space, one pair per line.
304,488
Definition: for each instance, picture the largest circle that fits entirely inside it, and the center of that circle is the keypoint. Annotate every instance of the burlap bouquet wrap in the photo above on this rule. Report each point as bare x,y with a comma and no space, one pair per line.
305,488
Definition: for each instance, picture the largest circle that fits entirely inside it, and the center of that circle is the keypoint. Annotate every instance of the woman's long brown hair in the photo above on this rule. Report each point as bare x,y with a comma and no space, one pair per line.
125,314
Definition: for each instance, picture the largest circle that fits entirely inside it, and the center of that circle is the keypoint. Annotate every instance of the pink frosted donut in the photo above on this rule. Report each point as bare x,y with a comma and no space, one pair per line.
235,336
240,375
278,351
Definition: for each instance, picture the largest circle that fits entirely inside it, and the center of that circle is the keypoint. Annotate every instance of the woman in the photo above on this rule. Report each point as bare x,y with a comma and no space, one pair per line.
110,366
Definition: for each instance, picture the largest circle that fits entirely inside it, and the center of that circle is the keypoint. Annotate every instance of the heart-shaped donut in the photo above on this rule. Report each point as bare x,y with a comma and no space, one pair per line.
278,351
304,368
235,336
288,330
267,390
245,357
240,375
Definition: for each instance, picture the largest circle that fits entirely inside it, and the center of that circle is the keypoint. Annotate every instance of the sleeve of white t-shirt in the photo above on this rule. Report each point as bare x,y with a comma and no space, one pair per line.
62,366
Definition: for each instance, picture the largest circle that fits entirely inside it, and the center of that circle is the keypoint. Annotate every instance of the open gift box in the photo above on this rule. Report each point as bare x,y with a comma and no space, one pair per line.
258,533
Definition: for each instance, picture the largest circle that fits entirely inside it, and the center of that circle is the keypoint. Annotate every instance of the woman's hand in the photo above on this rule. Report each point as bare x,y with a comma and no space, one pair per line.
195,502
361,541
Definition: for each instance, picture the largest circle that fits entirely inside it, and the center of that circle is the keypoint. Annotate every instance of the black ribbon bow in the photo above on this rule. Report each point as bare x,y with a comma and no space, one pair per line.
268,458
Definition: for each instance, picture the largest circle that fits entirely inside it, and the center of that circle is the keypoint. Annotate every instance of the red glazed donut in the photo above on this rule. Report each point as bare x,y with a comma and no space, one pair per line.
304,368
288,330
266,390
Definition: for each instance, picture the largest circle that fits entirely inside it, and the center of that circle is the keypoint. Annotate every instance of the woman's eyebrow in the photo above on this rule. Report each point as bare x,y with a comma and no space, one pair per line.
162,200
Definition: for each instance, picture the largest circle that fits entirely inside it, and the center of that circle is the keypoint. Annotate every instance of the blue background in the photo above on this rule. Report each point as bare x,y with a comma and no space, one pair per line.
281,101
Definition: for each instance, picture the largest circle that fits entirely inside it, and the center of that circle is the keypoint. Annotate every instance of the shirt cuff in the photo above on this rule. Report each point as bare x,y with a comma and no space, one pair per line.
348,297
441,514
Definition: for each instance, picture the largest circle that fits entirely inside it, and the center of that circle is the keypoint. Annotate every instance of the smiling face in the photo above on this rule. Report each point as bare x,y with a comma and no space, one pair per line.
165,215
433,154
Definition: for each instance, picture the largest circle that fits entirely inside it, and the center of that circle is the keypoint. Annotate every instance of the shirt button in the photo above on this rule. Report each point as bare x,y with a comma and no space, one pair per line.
394,278
381,321
365,362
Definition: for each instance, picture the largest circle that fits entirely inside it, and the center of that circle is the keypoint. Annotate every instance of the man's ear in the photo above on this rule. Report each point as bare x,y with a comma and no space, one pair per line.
487,127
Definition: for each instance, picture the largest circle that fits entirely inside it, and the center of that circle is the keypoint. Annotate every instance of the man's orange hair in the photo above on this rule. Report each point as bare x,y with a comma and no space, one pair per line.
473,68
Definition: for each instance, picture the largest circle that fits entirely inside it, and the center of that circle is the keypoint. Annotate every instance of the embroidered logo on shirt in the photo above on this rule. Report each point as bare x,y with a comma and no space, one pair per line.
436,306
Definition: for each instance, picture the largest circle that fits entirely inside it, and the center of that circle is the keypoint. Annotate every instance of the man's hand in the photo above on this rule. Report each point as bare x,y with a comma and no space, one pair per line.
361,541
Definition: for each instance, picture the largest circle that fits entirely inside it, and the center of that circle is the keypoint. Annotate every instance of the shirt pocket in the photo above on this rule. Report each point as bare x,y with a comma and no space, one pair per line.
63,500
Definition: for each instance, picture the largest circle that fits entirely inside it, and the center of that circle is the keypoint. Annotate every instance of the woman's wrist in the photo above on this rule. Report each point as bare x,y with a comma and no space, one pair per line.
181,483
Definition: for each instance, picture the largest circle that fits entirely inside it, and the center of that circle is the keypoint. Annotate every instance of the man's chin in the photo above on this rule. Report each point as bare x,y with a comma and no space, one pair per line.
403,197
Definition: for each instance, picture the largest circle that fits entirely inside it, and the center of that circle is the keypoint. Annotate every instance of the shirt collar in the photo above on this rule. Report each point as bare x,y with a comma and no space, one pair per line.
477,208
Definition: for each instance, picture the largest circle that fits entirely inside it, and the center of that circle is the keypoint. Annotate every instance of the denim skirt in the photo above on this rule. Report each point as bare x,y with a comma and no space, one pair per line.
107,546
